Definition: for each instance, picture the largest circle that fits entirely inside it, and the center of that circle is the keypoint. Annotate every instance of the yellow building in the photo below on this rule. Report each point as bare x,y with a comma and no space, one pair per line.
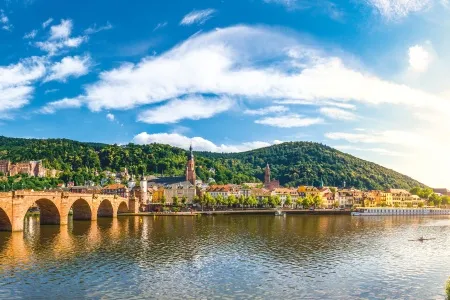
158,193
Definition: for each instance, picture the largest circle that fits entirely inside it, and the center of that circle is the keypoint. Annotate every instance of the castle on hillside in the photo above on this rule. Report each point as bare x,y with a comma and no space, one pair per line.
33,168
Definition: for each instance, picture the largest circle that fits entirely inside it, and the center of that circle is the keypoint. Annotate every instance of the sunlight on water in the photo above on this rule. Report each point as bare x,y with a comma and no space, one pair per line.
336,257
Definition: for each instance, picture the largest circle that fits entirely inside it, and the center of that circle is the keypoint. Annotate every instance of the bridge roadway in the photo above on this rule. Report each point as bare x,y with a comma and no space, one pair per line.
55,206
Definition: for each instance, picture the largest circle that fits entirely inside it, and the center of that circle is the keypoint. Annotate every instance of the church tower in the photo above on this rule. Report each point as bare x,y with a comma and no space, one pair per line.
190,167
267,176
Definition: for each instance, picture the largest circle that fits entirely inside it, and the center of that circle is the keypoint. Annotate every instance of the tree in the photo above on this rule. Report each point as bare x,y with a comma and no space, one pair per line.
288,201
299,202
241,200
252,201
175,201
184,200
220,200
204,200
336,204
163,199
274,201
306,202
264,201
232,200
317,201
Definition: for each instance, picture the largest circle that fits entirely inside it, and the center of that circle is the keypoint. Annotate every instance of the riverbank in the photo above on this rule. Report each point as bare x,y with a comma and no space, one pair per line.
244,212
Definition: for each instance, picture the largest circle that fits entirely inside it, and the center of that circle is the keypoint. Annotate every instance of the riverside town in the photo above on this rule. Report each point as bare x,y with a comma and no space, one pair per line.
189,194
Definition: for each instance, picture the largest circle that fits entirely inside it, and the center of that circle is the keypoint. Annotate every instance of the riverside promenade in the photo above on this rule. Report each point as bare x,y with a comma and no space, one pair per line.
244,212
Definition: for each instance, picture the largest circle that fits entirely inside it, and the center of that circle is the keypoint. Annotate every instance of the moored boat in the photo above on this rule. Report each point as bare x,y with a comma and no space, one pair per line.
398,211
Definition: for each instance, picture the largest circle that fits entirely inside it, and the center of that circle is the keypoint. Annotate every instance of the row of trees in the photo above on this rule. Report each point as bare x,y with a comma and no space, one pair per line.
430,196
206,200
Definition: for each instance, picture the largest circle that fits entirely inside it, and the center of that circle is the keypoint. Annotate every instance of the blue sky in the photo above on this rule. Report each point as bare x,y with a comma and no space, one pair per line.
367,77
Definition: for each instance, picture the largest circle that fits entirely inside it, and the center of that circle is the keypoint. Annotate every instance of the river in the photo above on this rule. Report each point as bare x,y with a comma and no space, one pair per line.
252,256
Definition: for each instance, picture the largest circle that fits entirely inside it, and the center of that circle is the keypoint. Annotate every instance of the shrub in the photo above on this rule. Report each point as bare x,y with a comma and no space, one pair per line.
447,289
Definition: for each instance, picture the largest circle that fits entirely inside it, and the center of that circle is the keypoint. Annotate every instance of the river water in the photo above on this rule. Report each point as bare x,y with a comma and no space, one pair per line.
253,256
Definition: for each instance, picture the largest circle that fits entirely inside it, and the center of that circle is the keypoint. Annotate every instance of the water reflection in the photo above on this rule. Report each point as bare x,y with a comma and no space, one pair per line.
205,257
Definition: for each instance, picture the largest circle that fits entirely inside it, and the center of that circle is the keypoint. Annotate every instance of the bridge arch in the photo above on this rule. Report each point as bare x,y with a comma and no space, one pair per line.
5,222
105,209
81,210
49,212
123,208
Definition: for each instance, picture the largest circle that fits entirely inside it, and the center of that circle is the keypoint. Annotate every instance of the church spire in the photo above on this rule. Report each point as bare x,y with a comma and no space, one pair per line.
190,167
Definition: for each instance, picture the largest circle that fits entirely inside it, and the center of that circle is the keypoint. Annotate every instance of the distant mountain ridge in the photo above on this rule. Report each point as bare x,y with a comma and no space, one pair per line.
293,163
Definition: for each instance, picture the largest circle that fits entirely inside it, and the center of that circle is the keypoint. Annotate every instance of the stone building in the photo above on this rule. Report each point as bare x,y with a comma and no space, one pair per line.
116,189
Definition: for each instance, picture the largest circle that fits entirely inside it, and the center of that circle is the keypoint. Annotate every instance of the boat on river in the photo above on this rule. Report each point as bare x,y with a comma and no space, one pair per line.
398,211
279,213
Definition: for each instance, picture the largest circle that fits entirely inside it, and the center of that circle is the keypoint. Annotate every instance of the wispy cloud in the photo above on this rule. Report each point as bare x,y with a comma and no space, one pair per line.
31,35
60,38
110,117
197,16
193,108
94,28
52,107
266,110
4,21
199,143
289,121
393,137
398,9
46,23
160,26
380,151
337,113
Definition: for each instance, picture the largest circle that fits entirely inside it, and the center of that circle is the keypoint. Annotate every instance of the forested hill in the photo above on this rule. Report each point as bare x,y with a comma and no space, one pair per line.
293,163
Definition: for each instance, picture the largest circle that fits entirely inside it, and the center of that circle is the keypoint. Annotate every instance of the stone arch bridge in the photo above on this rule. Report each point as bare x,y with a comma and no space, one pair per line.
55,207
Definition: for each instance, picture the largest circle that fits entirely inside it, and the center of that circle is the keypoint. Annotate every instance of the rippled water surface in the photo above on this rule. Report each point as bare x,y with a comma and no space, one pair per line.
326,257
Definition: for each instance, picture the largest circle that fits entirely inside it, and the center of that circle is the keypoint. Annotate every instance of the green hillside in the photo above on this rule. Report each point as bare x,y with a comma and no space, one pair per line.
293,163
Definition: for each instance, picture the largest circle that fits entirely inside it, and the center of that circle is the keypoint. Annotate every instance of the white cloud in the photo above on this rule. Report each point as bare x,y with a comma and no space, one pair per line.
60,38
94,29
397,9
380,151
337,113
224,62
110,117
266,110
70,66
16,82
65,103
197,16
46,23
31,35
289,121
160,26
61,31
393,137
198,143
419,58
316,102
193,107
4,21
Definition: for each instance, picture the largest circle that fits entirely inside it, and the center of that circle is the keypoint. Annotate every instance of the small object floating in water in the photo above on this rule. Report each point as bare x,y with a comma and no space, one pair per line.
280,213
421,239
